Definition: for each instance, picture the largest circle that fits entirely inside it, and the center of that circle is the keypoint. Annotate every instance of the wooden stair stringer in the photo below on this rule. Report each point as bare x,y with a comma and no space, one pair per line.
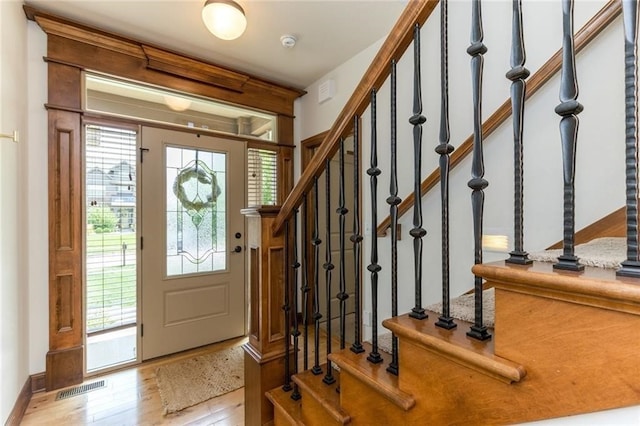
320,402
287,412
454,345
374,376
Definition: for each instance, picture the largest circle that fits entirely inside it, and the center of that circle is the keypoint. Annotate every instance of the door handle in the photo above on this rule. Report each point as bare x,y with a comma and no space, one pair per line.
236,249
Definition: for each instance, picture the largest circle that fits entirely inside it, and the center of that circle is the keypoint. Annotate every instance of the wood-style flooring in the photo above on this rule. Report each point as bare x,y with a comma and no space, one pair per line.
131,397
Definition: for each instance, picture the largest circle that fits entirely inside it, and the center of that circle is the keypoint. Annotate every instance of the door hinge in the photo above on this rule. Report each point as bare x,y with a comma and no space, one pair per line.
141,330
141,243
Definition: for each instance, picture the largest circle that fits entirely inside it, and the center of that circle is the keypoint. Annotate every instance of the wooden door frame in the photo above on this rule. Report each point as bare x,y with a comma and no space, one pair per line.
73,48
306,155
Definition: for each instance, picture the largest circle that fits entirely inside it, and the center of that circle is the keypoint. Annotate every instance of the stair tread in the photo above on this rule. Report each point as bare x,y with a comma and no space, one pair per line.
327,395
456,346
374,375
289,408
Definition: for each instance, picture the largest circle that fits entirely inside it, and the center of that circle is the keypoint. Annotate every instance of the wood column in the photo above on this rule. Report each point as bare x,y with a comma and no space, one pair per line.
265,352
64,365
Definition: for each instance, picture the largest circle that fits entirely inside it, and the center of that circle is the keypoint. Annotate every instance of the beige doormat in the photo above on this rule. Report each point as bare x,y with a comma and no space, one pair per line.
185,383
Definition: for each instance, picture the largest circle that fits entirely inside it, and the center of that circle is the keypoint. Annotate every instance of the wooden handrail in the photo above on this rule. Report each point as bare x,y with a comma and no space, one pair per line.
400,37
587,33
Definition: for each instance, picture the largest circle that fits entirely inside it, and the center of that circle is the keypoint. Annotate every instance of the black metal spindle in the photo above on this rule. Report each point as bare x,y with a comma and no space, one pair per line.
342,212
518,75
444,148
373,267
295,332
393,200
286,307
418,232
316,285
356,238
568,109
477,182
631,266
304,288
328,267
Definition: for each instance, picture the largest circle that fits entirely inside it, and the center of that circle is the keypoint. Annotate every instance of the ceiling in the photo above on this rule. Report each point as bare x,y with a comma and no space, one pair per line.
328,31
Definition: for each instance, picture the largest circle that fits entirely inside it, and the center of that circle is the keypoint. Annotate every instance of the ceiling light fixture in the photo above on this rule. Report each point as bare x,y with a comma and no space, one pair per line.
225,19
176,103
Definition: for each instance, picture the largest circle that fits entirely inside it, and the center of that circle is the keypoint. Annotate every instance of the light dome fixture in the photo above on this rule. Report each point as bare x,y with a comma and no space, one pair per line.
176,103
225,19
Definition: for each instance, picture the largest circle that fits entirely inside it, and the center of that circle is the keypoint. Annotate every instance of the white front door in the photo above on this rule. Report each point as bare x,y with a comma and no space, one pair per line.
193,286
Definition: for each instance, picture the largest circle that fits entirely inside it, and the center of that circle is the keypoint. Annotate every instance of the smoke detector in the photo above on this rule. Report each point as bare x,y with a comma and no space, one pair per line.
288,41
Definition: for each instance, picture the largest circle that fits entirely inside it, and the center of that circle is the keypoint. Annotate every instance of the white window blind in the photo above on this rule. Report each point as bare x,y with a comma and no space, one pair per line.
110,203
262,183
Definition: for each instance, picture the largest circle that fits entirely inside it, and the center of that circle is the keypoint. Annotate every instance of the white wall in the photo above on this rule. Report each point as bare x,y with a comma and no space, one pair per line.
346,77
601,126
24,336
600,153
14,347
37,233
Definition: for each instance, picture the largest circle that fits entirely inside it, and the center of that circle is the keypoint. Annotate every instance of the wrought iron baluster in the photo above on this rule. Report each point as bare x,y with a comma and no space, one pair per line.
373,267
342,212
477,182
517,75
316,285
393,200
295,332
568,109
631,266
305,284
444,149
417,120
328,267
356,238
287,312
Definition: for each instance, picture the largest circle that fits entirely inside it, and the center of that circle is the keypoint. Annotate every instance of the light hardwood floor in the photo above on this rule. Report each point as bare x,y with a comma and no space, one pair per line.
131,398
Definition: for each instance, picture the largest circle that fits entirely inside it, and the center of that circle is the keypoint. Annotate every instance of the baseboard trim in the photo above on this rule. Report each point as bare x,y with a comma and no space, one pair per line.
38,383
22,402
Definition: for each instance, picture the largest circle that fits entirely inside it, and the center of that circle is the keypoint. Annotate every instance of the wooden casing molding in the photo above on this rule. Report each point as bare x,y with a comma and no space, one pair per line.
71,49
97,50
64,363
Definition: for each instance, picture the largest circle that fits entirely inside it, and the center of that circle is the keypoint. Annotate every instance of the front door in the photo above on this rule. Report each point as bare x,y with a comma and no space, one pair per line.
193,287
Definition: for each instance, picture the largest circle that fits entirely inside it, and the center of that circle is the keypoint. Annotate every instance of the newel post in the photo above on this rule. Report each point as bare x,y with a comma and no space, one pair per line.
264,359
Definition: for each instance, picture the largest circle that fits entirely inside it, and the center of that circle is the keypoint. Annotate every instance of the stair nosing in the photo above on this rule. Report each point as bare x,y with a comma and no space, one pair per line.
493,366
337,413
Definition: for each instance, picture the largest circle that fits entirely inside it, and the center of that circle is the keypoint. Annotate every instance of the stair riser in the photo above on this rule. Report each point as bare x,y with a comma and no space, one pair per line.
365,405
281,418
314,414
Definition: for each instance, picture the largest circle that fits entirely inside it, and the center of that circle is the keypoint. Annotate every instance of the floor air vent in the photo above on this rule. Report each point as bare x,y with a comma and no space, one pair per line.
79,390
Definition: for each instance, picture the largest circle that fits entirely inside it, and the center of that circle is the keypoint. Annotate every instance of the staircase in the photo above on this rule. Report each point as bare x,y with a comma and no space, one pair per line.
528,371
566,337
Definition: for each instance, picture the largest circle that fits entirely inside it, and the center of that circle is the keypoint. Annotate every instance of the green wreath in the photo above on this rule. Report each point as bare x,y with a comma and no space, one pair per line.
205,177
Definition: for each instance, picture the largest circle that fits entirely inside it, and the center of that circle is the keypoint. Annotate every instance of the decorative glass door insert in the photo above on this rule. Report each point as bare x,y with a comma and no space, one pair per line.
196,205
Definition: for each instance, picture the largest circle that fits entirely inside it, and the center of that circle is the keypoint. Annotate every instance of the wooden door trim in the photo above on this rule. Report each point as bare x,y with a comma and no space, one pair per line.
306,155
67,57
